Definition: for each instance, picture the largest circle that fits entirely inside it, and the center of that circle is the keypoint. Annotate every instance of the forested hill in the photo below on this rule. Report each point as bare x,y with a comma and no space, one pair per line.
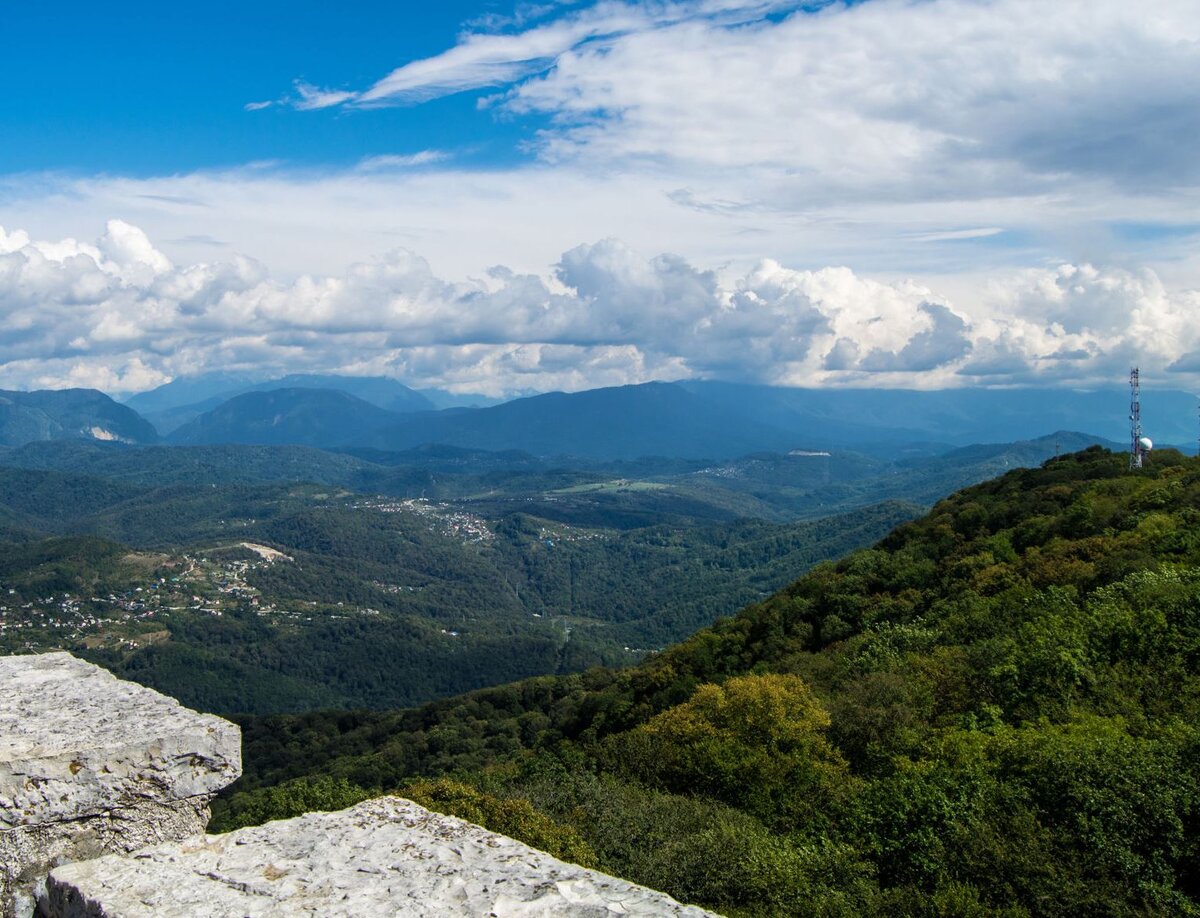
994,711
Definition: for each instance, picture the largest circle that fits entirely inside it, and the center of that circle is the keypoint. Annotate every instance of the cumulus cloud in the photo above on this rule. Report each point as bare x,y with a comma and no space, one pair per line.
897,136
895,99
119,315
942,343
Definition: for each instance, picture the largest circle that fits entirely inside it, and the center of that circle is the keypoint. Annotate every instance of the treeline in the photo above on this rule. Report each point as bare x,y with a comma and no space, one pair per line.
993,712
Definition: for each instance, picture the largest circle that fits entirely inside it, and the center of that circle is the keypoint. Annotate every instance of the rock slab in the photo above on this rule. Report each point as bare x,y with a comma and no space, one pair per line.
387,856
92,765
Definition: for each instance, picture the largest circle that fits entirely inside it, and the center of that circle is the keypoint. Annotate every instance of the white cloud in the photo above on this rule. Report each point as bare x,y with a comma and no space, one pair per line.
479,61
487,59
894,98
934,138
120,315
981,232
992,149
886,100
402,161
311,98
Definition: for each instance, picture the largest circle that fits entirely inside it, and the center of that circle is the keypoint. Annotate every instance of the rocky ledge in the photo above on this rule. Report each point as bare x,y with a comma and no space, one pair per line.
92,765
387,856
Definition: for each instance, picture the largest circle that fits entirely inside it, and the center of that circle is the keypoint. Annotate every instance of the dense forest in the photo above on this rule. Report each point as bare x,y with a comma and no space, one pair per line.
377,602
994,711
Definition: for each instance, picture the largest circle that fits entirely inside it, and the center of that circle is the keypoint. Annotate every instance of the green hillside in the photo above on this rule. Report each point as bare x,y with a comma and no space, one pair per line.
994,711
366,601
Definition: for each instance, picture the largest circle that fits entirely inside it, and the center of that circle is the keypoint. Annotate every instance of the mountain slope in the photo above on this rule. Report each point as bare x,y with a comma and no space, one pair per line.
992,712
64,414
309,417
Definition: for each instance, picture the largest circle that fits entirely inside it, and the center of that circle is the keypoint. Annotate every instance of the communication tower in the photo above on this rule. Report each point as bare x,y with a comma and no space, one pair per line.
1137,443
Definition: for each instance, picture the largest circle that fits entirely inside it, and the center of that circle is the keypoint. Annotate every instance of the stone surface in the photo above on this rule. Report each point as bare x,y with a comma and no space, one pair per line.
91,765
382,857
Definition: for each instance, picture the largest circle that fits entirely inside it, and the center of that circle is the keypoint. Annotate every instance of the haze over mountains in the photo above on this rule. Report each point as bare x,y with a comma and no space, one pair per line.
174,404
689,420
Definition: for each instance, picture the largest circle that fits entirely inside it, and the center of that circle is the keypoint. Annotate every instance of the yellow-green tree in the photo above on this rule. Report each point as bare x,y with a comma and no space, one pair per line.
757,742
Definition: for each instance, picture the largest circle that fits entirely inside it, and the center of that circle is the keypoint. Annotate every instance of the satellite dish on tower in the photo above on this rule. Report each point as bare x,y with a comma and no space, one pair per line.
1146,443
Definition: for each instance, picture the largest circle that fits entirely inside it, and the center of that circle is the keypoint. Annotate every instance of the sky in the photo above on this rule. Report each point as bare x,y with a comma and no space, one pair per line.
503,198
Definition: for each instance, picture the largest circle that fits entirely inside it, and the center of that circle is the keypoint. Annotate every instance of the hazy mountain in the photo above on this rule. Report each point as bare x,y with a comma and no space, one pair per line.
172,405
443,399
188,390
311,417
65,414
722,420
881,418
715,420
623,422
379,391
171,419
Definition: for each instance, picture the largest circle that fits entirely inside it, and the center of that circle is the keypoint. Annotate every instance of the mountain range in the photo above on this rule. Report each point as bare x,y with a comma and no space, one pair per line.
689,420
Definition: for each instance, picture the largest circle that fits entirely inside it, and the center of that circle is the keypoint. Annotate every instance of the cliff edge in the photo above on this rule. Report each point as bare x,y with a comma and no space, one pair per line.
91,765
386,856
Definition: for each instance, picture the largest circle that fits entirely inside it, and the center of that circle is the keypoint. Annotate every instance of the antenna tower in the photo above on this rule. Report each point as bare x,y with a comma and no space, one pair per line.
1135,420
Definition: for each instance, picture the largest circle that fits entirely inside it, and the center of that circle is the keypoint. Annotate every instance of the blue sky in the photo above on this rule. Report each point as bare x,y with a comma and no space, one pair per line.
142,88
502,197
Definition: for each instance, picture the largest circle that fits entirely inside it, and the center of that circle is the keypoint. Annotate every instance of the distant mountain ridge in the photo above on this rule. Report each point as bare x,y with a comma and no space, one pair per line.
693,420
306,417
173,404
69,414
625,422
721,420
957,417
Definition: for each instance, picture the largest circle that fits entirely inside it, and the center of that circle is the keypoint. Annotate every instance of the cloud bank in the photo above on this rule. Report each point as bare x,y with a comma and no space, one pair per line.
952,140
895,99
119,315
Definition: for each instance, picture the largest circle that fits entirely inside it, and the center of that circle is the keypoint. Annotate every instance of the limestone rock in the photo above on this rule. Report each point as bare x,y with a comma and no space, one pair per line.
387,856
91,765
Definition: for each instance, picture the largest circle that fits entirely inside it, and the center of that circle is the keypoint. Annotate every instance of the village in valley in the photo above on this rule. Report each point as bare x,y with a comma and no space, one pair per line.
158,588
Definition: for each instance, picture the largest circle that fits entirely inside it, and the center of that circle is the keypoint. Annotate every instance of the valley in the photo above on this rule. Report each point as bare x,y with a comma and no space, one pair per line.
611,655
264,597
283,577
